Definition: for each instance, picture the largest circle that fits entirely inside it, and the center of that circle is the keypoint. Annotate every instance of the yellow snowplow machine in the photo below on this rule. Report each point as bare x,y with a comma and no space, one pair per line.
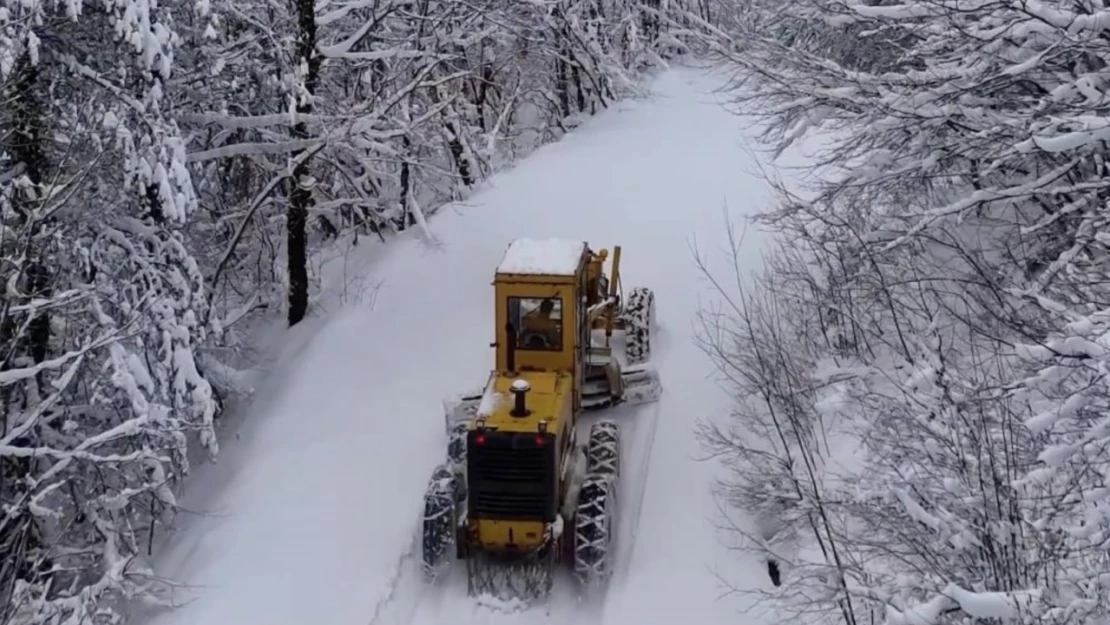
522,490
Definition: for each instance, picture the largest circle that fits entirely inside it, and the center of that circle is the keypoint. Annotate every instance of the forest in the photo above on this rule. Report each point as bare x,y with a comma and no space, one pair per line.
168,170
921,367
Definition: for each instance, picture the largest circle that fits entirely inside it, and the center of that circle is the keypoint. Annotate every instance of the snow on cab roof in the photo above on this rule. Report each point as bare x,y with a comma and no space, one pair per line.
558,257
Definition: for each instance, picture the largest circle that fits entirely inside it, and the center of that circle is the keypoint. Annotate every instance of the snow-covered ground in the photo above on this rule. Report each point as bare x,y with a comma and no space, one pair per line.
311,514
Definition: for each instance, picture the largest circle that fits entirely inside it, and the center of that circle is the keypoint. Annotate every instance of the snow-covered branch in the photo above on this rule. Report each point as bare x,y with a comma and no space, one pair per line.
170,168
940,311
254,149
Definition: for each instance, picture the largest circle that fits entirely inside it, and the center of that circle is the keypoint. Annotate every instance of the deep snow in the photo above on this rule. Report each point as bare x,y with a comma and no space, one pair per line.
310,514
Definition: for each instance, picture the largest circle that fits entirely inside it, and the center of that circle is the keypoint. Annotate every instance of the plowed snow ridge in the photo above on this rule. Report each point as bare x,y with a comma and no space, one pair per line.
314,506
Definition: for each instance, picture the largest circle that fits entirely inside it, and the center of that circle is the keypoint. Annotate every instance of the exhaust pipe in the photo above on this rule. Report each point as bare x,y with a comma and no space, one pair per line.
519,389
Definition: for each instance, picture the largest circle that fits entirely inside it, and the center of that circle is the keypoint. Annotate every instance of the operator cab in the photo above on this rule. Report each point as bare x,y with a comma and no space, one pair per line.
538,315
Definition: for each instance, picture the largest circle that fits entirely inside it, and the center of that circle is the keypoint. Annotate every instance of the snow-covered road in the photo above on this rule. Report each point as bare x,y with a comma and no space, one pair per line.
315,505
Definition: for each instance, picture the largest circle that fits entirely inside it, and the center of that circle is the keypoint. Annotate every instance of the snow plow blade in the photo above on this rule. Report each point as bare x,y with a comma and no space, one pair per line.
641,384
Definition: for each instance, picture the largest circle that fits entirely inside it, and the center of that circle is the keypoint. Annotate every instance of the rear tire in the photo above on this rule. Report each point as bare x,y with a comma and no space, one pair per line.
595,514
593,529
638,318
603,449
440,515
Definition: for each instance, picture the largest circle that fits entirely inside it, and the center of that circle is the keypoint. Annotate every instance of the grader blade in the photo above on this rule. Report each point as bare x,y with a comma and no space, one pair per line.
641,384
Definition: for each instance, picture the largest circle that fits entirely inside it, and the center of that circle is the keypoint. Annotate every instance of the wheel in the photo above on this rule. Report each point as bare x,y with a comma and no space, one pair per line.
594,517
638,318
593,529
603,449
456,445
440,514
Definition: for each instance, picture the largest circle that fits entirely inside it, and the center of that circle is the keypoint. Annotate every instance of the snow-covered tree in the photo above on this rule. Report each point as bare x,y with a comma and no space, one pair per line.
167,172
948,300
104,304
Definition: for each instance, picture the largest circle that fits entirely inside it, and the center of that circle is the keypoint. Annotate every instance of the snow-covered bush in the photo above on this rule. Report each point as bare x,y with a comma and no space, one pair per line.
103,306
935,337
405,106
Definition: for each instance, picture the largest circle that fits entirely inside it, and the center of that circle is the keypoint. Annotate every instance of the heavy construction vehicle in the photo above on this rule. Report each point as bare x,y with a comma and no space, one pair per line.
519,492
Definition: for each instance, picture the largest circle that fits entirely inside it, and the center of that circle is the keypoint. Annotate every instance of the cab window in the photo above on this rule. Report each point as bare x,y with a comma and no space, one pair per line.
538,322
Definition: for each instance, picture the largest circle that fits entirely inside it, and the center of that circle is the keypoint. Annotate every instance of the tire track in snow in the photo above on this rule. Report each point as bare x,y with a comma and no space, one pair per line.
399,592
643,442
648,445
646,452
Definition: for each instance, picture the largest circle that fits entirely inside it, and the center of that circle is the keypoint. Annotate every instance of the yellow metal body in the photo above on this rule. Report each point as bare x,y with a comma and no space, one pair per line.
550,400
553,366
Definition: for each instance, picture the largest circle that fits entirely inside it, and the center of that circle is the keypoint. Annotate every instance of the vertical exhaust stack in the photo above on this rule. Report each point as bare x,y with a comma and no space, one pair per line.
519,389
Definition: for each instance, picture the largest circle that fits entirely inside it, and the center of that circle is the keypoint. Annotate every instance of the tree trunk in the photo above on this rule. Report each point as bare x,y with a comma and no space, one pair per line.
481,100
458,153
407,219
454,140
581,94
562,89
26,148
20,539
300,199
650,23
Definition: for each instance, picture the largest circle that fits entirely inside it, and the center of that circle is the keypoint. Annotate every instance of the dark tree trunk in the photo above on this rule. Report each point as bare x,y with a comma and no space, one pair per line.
597,12
458,154
407,218
481,99
300,199
26,147
20,540
650,23
454,142
578,86
562,89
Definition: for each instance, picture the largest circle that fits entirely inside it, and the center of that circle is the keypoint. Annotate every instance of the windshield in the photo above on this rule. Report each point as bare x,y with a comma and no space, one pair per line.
538,322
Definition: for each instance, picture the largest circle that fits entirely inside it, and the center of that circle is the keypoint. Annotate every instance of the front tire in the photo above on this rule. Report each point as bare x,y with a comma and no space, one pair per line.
440,516
638,318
